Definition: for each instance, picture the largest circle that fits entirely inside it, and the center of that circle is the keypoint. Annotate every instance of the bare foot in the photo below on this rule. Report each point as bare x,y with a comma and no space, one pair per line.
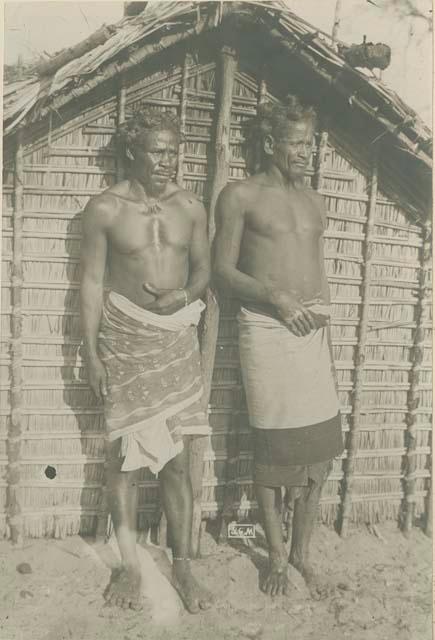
194,596
123,589
318,586
277,582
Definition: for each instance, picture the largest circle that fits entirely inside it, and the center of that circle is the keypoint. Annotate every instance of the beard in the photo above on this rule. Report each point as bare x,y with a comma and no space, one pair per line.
155,187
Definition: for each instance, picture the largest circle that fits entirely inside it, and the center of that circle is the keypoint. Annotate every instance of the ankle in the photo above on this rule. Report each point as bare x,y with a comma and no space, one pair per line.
299,559
181,565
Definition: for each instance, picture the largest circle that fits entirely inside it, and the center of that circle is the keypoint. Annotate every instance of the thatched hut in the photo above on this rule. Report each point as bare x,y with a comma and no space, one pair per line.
213,63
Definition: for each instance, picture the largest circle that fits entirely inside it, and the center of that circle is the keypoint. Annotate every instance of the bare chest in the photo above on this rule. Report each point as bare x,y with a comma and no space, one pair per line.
137,230
275,216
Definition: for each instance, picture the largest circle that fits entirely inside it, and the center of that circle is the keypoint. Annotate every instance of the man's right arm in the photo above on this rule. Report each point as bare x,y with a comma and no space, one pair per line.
230,222
93,264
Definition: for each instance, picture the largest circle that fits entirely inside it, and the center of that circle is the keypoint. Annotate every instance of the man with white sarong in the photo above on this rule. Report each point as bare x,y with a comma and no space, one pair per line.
269,254
142,349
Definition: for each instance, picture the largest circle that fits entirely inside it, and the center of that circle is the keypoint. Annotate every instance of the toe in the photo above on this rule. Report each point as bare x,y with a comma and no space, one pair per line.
193,606
111,600
205,604
315,594
136,605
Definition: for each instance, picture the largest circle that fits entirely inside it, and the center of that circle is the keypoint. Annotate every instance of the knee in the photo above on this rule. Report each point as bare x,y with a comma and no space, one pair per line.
312,491
113,451
113,458
176,469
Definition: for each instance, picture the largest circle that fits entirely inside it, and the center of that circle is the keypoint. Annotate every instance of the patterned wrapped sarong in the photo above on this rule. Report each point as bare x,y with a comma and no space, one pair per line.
154,380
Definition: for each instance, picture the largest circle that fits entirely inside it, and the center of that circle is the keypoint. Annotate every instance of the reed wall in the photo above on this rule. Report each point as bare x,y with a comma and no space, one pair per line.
62,426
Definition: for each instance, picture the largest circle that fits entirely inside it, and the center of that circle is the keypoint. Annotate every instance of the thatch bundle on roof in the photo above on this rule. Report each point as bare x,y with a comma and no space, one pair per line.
213,63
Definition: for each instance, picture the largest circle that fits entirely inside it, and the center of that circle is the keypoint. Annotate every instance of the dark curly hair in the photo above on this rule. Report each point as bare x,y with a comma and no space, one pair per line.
273,119
145,119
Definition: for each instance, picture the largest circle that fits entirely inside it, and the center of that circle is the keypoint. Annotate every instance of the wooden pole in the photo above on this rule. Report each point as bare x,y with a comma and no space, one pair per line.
183,112
120,119
360,353
321,159
225,74
336,24
14,514
163,523
429,512
232,443
422,319
262,89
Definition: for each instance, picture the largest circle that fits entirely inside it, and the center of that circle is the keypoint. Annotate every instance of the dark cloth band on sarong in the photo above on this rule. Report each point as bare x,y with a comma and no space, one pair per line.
289,457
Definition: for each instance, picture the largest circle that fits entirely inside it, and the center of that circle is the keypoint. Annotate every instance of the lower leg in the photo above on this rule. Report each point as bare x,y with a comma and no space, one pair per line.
122,500
304,520
176,494
269,502
176,491
124,588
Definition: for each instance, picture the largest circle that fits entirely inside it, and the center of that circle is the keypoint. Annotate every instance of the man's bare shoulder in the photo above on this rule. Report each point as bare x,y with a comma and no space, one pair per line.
319,202
315,195
103,208
243,188
190,202
239,195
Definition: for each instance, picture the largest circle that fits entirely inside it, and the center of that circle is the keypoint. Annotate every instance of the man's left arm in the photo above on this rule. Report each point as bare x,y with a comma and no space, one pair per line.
199,256
168,302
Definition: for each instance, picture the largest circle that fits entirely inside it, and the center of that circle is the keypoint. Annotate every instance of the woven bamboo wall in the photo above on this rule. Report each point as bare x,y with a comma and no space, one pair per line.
62,425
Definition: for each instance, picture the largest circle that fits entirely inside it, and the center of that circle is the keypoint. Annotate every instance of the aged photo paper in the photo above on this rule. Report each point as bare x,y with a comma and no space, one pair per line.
216,320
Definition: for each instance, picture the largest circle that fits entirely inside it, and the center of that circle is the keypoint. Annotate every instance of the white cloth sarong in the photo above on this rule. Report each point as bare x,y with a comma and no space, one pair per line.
288,379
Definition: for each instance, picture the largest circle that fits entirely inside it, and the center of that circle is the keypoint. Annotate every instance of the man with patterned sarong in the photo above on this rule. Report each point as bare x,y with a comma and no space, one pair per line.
269,254
149,237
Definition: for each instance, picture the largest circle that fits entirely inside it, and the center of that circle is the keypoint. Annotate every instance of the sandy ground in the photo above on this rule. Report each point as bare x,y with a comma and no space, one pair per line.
384,594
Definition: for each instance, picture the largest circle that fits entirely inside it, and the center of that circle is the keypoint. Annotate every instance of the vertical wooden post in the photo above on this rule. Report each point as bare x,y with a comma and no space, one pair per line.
225,74
262,89
183,111
163,523
14,515
320,163
336,24
429,512
120,118
360,352
422,319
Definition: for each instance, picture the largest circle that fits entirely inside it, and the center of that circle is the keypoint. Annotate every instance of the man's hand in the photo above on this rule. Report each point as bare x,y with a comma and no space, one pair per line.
167,301
97,377
293,313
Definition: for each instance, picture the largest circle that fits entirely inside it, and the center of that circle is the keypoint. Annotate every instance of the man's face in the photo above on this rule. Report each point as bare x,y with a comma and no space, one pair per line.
155,159
291,152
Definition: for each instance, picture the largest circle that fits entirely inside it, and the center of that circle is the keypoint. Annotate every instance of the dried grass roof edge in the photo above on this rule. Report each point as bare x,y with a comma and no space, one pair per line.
33,98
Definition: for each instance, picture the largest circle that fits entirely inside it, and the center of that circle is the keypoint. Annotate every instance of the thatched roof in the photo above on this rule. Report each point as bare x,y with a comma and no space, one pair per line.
120,47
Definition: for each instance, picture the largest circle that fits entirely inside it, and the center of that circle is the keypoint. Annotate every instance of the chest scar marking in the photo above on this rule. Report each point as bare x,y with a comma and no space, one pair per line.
156,234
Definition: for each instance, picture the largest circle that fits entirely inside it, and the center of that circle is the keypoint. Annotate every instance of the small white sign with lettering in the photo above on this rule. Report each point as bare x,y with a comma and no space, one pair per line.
236,530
